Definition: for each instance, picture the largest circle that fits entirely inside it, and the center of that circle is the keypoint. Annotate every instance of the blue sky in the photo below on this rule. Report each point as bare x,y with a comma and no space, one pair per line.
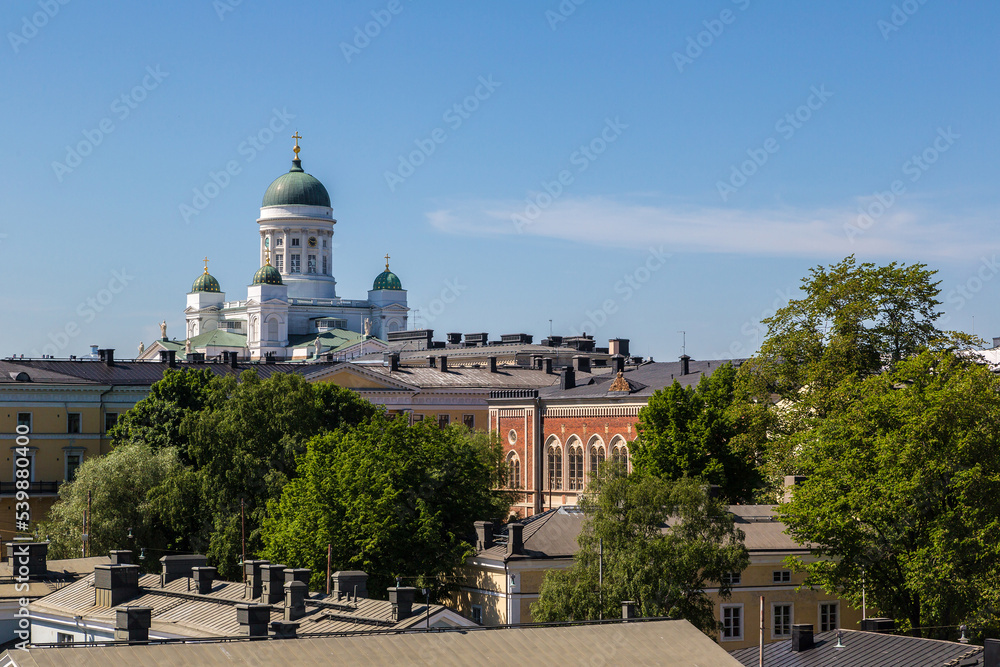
629,169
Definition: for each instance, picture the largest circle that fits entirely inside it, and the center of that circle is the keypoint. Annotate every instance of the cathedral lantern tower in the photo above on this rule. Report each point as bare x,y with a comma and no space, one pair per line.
296,228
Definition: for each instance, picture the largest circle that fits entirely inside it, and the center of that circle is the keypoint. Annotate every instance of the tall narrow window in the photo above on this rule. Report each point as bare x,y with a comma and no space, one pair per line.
576,468
295,242
110,419
311,264
279,262
444,420
781,620
73,422
469,421
513,471
326,270
24,420
74,458
295,264
828,616
732,622
596,459
555,467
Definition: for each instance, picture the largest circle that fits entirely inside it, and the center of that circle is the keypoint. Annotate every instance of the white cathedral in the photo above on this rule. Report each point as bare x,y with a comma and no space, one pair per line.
291,310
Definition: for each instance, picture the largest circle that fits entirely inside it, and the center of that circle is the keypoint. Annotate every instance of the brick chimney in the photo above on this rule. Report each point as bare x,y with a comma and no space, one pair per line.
547,365
273,577
253,619
114,584
392,361
802,637
204,577
617,363
295,600
402,598
132,623
285,629
515,539
492,364
581,363
484,535
177,567
567,379
443,363
349,583
254,586
685,364
120,557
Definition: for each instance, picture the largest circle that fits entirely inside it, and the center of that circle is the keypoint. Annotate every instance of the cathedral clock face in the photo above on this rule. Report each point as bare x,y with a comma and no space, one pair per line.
312,241
267,243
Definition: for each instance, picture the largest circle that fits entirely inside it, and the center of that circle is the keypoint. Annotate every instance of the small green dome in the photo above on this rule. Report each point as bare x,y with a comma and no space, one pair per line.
296,188
206,282
387,280
267,275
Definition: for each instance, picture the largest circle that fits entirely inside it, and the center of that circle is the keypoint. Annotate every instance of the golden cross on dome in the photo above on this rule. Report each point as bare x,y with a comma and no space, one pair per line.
296,149
386,261
206,264
267,256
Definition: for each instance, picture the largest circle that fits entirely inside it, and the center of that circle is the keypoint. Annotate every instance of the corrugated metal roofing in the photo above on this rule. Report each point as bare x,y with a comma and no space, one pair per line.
647,378
663,642
863,649
553,534
136,373
178,610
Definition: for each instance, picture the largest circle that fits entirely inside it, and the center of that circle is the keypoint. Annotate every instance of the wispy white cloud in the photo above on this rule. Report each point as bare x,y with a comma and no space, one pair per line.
895,231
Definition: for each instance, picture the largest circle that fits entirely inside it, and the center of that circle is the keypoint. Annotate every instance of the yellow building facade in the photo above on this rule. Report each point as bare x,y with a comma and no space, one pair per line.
498,584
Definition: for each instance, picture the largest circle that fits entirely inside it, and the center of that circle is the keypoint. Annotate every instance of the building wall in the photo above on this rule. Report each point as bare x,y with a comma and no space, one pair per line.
483,584
562,426
50,440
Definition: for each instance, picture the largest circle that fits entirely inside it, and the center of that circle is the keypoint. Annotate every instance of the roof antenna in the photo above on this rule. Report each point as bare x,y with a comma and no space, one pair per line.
683,341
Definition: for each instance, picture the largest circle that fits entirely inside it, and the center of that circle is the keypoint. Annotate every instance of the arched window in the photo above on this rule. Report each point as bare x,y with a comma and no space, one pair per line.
619,451
272,329
253,328
513,471
554,471
597,456
576,468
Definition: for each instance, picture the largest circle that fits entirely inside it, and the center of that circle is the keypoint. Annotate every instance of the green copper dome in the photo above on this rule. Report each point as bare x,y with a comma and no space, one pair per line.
296,188
267,275
206,282
387,280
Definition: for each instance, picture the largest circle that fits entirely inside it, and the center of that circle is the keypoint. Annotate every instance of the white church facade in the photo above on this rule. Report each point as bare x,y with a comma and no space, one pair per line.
291,310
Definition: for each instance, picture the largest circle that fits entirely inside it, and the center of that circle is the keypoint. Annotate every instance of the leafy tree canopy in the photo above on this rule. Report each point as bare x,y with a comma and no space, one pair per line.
663,544
391,499
119,485
235,441
903,493
689,433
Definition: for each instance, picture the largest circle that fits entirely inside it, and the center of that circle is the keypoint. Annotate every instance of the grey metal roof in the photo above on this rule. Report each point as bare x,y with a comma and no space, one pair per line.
178,610
673,643
553,534
459,377
865,649
645,379
137,373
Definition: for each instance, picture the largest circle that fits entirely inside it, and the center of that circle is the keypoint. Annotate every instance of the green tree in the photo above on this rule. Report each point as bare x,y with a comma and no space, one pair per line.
391,499
119,485
663,544
853,321
156,420
903,494
688,432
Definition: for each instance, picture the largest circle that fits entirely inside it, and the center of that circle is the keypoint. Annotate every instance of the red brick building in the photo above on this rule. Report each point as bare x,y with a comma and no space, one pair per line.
556,437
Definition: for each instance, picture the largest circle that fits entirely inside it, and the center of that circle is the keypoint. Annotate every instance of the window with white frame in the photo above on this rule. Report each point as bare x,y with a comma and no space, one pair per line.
781,619
74,421
110,419
782,576
73,459
477,614
731,578
311,264
295,264
279,262
326,269
732,622
828,616
64,638
278,242
295,242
